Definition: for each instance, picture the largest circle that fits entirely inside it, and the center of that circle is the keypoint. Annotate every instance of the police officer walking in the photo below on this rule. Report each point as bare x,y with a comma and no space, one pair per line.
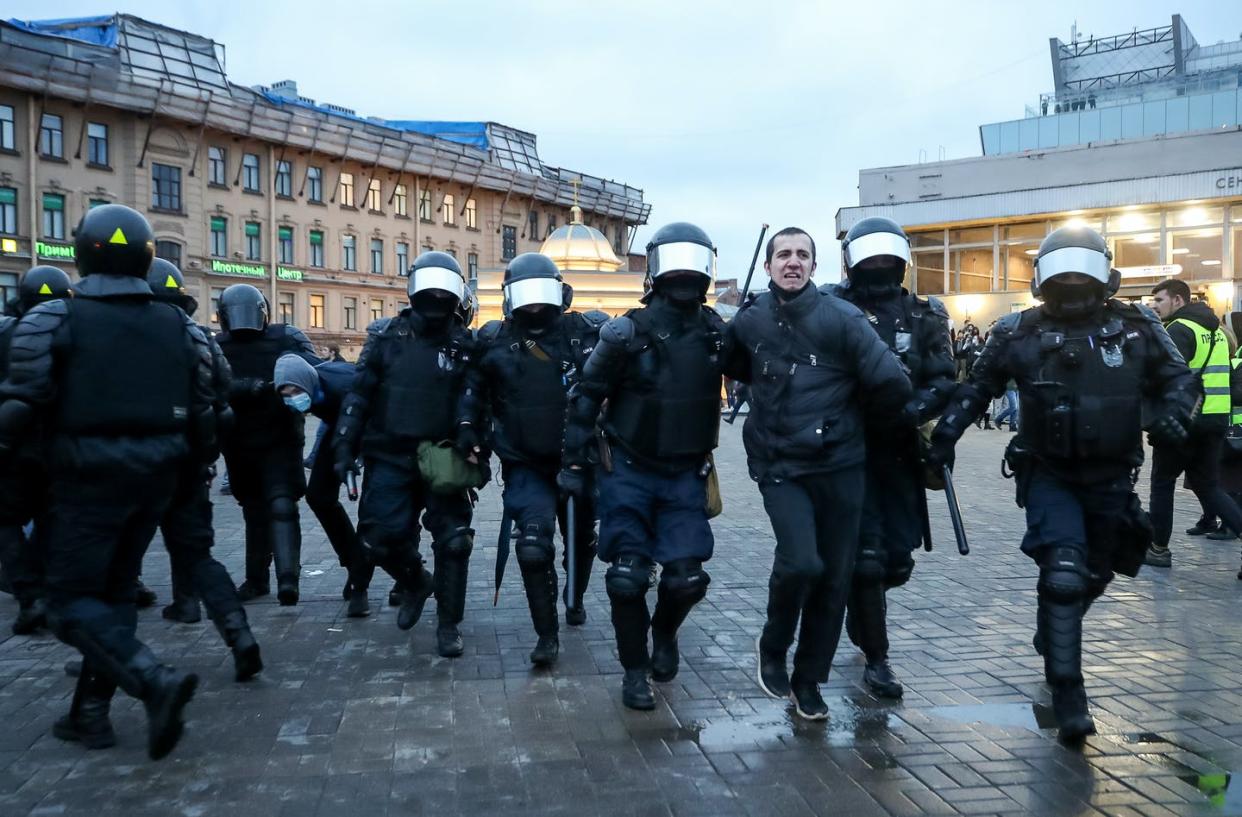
263,450
409,380
117,435
1198,336
877,253
519,381
1083,363
814,364
187,523
23,476
659,368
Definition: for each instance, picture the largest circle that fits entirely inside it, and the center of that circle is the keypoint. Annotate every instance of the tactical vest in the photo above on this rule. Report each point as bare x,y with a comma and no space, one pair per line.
529,402
670,406
1211,362
420,385
1082,402
264,419
129,370
7,324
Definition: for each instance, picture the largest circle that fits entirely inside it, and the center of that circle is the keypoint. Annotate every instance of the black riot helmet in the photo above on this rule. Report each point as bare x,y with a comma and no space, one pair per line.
436,286
467,308
168,285
41,284
113,239
242,308
681,262
1073,272
533,287
876,252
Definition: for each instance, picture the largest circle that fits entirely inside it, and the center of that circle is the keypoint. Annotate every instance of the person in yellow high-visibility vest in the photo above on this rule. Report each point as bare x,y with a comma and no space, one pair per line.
1198,335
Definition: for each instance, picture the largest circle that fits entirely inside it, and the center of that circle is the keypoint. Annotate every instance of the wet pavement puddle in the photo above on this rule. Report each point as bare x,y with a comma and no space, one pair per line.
1033,717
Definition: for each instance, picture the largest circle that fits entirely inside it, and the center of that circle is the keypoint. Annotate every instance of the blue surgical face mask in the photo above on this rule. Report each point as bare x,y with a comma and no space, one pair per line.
300,403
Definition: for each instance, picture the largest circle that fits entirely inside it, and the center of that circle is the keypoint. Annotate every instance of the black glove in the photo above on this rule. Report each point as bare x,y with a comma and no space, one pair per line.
250,386
1169,430
912,413
939,454
467,441
572,482
345,465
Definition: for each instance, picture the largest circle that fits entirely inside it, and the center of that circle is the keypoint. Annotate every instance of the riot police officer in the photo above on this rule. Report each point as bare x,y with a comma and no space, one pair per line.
659,367
187,523
877,252
519,380
123,386
263,450
23,479
1083,363
410,376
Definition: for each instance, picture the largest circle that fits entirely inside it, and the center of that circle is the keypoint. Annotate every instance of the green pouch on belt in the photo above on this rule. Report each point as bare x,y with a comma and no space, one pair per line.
445,470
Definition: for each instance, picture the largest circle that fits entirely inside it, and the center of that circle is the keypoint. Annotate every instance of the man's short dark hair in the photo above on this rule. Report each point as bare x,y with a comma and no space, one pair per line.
1174,287
789,231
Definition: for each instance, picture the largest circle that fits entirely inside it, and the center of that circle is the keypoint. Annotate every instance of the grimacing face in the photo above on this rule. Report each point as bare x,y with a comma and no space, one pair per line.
791,265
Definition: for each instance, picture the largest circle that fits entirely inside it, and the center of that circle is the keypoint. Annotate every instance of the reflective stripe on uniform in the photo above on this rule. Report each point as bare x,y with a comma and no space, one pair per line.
1214,370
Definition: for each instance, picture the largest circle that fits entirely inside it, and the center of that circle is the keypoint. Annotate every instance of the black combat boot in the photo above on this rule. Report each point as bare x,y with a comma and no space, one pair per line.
87,722
144,596
771,671
631,621
1069,705
540,582
235,630
869,612
672,606
416,588
450,602
636,692
167,691
1063,667
359,605
286,552
31,616
249,591
184,609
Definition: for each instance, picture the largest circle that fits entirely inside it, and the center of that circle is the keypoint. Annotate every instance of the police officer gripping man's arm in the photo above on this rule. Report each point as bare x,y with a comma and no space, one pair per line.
519,382
815,367
124,388
404,396
877,253
1083,364
659,367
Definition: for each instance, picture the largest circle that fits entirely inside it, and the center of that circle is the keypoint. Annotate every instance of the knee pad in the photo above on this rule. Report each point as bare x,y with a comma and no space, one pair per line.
684,580
899,573
1063,575
459,544
284,508
628,578
534,547
870,568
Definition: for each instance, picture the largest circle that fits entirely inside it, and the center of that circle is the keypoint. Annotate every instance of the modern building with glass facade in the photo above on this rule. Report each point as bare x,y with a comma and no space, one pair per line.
1141,140
321,208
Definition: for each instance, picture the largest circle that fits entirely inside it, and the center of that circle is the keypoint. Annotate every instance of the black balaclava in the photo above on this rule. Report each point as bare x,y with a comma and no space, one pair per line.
1072,301
435,306
536,321
683,290
878,283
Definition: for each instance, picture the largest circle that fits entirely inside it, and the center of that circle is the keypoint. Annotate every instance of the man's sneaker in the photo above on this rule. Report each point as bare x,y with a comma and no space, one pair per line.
807,701
1203,527
1158,557
250,591
879,678
546,651
448,641
359,605
771,673
636,690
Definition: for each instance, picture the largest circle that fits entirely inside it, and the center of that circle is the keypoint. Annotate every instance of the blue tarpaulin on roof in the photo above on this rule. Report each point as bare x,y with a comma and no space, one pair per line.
473,134
92,30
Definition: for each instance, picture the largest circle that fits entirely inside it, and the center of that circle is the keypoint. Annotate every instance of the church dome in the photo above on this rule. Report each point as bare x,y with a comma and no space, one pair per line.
578,248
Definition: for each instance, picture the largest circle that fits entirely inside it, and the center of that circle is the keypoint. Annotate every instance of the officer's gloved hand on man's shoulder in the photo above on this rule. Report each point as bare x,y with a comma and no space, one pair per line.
1170,430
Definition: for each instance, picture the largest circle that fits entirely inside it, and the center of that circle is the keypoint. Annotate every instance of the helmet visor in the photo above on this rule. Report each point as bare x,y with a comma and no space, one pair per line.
682,256
1092,263
531,291
873,244
242,316
437,278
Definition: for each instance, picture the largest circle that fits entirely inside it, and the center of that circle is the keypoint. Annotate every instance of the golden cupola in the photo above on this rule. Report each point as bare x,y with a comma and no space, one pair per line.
575,247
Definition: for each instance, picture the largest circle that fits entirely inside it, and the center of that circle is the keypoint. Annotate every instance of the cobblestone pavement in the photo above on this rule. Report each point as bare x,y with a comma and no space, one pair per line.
356,717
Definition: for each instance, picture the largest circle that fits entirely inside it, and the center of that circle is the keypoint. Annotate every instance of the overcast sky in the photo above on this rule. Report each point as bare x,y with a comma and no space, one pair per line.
727,115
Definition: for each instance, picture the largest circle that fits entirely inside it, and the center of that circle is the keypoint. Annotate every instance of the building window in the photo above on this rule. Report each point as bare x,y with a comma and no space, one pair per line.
373,196
166,187
929,272
170,251
452,253
250,173
400,202
97,144
284,245
351,312
347,189
53,215
284,178
8,210
317,308
219,237
619,242
93,203
448,207
377,309
316,248
216,292
314,184
532,228
52,136
472,267
8,131
377,256
254,241
284,307
551,224
403,258
349,253
424,205
508,243
472,215
217,166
